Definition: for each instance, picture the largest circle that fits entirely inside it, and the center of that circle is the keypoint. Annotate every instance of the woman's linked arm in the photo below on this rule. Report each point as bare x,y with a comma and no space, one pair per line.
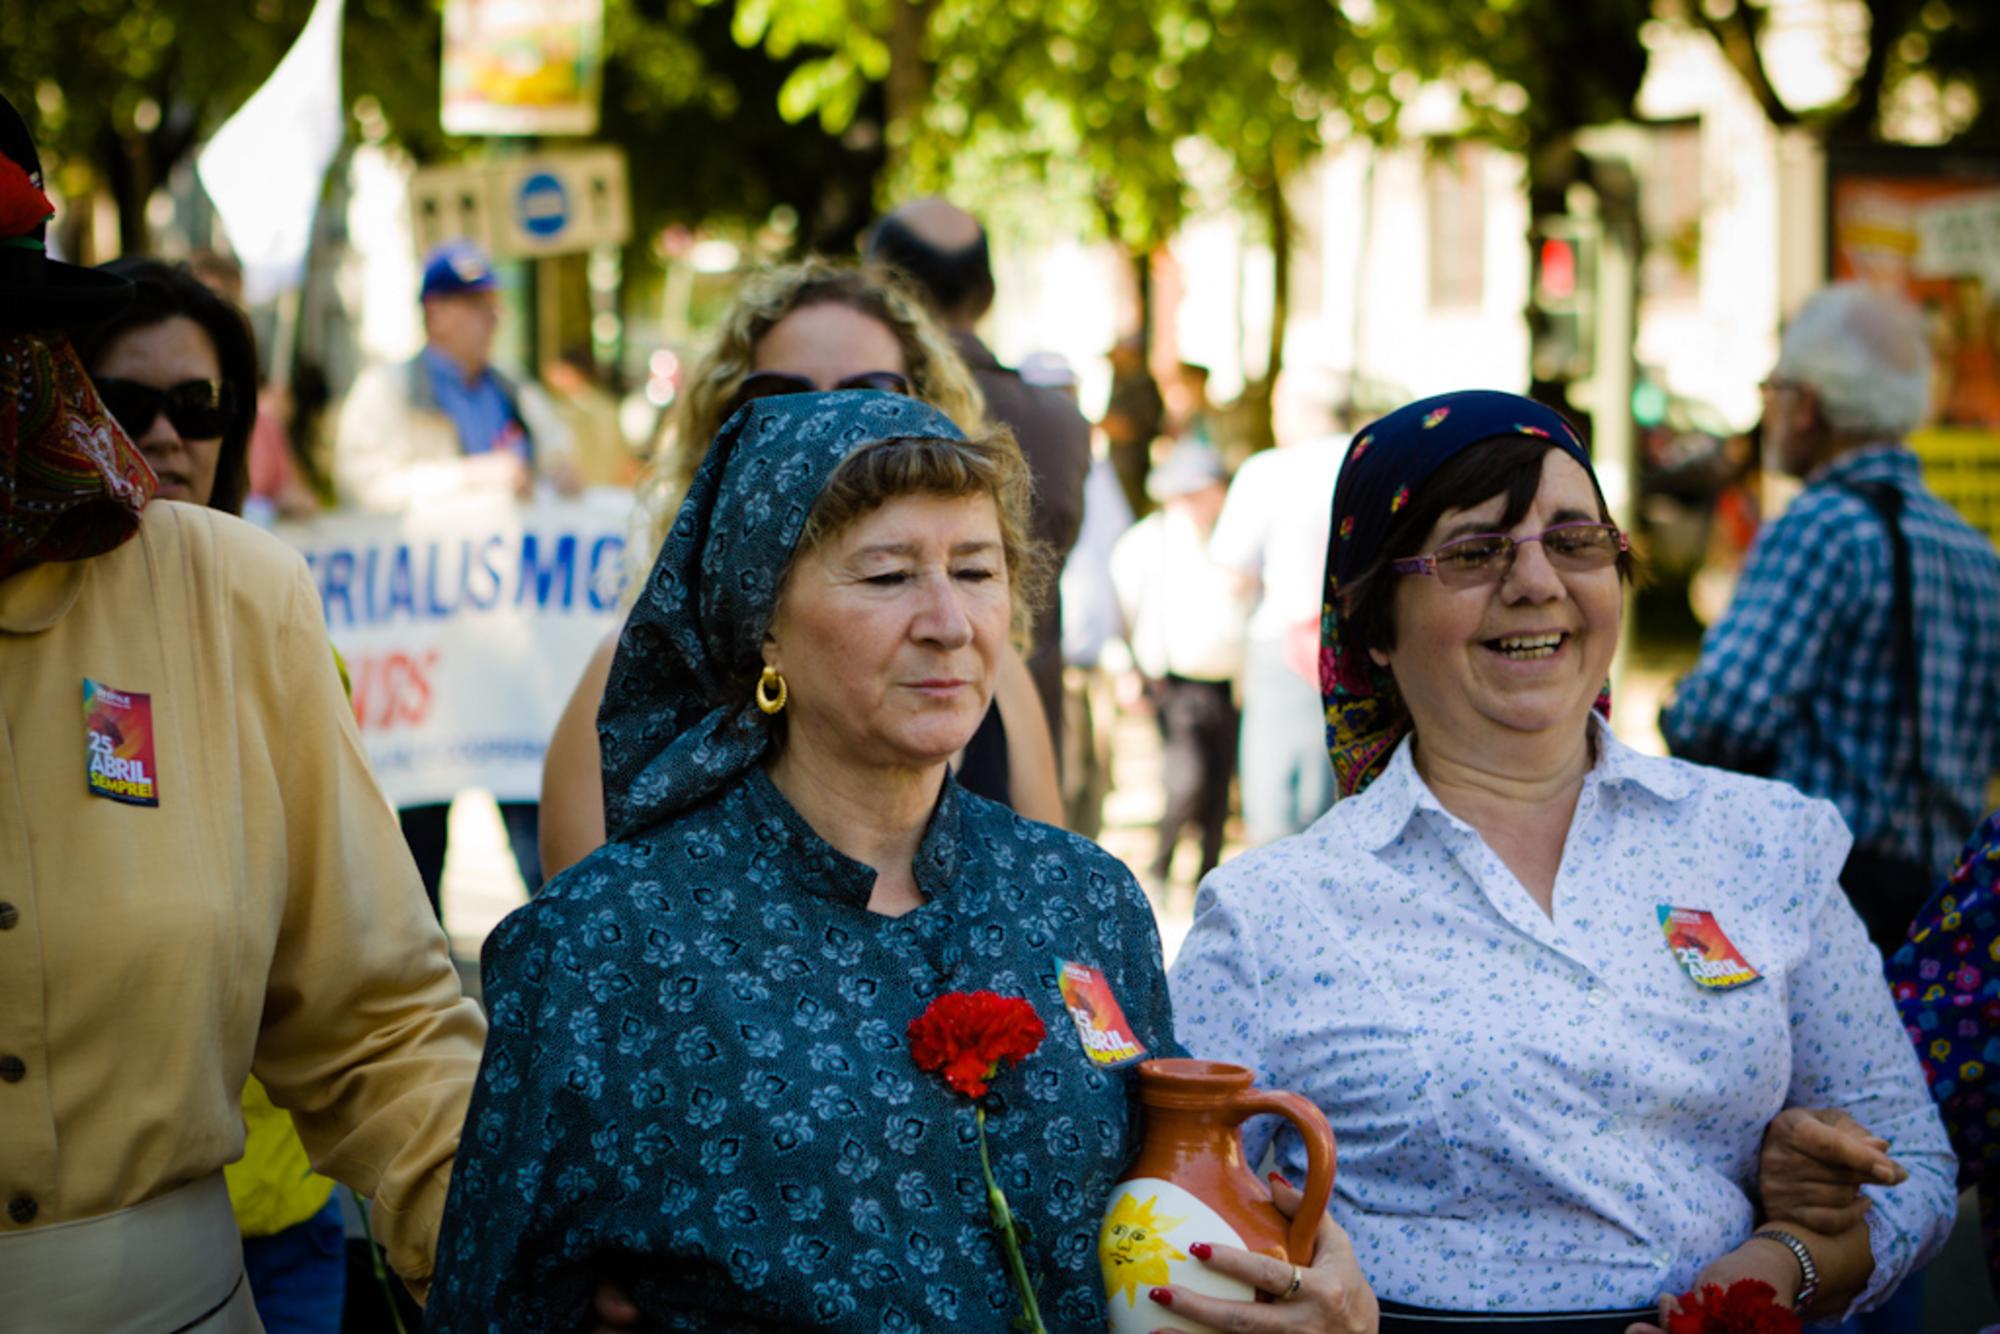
1850,1054
1813,1165
1842,1265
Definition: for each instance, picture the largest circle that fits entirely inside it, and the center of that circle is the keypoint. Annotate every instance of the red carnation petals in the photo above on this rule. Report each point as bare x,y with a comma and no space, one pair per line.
1747,1306
964,1036
23,207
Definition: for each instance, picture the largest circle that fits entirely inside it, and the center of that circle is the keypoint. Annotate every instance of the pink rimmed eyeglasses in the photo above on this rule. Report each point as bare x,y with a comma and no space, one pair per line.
1484,558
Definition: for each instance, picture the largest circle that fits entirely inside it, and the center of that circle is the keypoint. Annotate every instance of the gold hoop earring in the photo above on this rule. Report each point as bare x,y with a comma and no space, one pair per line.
766,701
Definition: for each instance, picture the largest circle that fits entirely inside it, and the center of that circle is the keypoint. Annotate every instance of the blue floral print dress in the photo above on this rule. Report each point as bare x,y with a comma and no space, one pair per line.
698,1082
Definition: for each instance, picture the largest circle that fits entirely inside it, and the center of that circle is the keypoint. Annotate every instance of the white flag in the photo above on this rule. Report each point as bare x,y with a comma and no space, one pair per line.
265,167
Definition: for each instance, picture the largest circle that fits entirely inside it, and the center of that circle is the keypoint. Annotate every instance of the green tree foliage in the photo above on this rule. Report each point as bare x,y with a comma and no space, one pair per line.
699,117
1530,76
978,96
121,91
1528,73
1948,49
1105,88
1006,106
1047,116
1956,43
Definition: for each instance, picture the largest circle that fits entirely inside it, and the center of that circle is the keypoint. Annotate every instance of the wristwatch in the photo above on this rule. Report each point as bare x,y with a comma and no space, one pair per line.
1808,1271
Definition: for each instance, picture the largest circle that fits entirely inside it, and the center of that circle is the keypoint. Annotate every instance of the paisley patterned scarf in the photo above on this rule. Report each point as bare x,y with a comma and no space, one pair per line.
678,724
71,483
1386,465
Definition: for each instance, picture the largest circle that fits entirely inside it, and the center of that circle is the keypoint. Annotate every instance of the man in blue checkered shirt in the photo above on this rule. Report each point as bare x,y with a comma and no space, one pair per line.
1799,680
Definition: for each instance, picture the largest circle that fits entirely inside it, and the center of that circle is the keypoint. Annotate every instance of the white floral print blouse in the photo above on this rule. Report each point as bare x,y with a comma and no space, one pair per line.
1542,1112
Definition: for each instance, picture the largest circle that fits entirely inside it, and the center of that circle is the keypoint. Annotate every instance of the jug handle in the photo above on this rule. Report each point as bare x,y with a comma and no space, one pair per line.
1310,1122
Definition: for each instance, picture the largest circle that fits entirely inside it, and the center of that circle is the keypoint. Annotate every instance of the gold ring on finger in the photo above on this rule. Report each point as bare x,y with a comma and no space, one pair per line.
1291,1291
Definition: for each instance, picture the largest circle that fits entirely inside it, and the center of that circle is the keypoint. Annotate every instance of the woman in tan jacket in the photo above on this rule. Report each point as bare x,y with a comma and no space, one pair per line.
200,878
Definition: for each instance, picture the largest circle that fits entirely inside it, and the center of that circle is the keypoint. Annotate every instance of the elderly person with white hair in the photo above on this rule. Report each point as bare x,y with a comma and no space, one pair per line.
1860,659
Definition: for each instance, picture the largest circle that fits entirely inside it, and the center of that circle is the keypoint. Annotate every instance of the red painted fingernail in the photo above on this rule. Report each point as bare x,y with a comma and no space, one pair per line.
1278,1179
1164,1296
1200,1250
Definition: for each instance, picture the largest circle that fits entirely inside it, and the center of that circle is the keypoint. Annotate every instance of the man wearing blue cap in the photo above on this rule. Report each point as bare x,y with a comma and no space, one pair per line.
446,422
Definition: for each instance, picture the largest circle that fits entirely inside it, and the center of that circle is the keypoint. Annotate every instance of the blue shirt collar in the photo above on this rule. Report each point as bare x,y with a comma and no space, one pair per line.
444,368
818,867
1380,814
1886,462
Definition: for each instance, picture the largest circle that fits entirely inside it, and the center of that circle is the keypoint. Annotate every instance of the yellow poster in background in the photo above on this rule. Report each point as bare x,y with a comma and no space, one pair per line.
1934,234
522,67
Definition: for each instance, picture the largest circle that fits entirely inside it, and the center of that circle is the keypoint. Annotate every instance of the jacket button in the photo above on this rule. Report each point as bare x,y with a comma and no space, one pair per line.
9,915
12,1069
22,1208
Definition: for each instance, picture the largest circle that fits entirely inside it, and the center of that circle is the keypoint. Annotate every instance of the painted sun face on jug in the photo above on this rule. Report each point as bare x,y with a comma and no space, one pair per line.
1132,1250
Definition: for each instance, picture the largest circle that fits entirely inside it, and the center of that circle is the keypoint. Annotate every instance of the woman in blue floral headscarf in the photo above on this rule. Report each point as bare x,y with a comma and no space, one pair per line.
699,1085
1549,992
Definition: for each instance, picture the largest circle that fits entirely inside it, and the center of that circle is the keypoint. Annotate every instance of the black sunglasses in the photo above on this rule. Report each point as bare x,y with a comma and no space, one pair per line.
770,384
198,409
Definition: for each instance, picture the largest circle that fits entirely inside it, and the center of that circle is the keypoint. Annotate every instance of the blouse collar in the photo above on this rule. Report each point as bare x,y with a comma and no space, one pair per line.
1380,813
819,868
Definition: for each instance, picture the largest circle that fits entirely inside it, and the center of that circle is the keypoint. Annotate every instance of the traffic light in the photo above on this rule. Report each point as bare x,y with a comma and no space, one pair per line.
1562,301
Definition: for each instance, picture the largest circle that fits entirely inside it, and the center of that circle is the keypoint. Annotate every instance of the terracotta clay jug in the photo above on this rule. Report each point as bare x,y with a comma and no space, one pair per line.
1190,1183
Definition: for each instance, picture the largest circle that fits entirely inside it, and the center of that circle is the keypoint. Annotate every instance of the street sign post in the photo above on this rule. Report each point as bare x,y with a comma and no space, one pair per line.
555,203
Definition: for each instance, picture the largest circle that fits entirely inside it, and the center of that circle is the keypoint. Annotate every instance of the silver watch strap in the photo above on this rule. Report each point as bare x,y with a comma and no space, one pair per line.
1808,1271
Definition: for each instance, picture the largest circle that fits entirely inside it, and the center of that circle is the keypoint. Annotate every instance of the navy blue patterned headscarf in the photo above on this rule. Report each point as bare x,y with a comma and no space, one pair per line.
1388,463
677,724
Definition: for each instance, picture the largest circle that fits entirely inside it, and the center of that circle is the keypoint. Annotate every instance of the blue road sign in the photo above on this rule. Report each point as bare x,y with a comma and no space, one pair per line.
541,205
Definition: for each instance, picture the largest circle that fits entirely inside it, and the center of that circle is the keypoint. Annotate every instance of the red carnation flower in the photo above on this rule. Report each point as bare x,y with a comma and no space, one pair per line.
964,1036
22,206
1747,1306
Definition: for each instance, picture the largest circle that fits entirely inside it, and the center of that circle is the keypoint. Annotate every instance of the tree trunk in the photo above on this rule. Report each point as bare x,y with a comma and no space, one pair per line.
1140,258
1257,394
1279,215
909,79
135,162
1142,288
127,166
1737,34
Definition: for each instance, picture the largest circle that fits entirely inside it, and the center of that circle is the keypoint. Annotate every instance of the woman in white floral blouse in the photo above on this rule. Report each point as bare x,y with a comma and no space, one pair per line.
1549,991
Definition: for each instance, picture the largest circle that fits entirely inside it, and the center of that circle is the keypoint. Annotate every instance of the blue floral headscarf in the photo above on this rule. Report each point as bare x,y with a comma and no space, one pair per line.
1387,464
675,727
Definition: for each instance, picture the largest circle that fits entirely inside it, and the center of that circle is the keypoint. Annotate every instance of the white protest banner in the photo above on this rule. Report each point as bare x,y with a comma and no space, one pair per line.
465,625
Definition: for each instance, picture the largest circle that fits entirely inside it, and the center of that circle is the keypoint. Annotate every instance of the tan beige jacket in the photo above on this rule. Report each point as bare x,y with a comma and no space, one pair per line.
264,917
